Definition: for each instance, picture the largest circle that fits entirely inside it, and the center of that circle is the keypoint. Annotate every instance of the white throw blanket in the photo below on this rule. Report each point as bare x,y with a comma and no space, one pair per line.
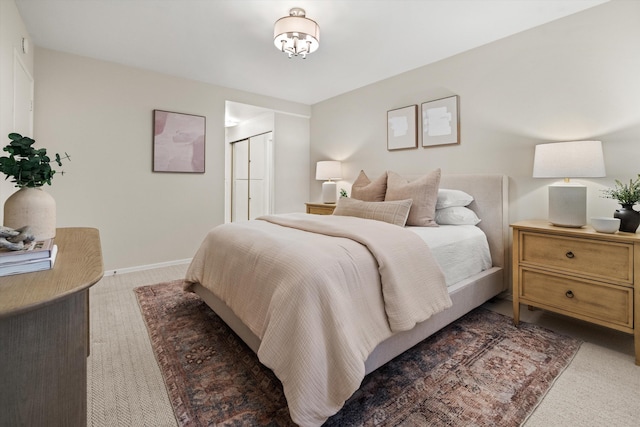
320,304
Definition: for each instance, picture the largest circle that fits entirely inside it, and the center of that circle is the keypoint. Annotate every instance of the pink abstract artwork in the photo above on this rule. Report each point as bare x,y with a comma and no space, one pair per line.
178,142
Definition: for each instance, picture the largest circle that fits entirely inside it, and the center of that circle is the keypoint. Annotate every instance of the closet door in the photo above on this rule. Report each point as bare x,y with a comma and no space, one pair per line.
251,192
240,190
257,176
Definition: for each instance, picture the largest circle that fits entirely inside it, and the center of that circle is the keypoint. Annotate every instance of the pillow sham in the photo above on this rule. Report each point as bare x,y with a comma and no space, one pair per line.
395,212
456,215
364,189
449,198
424,193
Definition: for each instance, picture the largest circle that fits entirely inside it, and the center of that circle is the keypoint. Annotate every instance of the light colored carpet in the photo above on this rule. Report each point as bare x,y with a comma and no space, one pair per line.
600,386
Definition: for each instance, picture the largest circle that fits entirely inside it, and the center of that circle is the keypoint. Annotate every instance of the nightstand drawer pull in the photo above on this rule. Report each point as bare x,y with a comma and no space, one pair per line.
569,294
569,254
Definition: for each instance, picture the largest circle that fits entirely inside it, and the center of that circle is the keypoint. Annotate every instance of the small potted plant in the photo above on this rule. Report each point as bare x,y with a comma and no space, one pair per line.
627,195
29,168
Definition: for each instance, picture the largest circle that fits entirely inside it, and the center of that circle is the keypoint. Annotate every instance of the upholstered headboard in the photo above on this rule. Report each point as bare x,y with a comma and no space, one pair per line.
491,201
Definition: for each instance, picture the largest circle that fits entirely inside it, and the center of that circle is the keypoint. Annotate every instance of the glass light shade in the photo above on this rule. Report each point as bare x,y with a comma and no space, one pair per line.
328,170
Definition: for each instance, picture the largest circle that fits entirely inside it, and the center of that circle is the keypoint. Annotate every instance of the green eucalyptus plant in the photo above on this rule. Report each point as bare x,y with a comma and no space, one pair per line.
28,166
625,194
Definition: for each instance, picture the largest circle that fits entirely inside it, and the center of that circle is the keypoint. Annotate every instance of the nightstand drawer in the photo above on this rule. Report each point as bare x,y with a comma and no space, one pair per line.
320,208
595,302
609,261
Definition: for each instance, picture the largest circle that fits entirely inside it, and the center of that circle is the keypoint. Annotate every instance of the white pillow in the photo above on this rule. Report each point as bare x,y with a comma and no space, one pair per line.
448,198
456,215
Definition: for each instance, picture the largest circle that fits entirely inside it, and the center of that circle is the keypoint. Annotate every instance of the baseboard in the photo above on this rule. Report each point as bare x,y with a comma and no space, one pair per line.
146,267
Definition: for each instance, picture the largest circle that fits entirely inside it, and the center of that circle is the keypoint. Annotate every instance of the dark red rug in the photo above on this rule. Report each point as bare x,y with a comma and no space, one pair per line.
480,370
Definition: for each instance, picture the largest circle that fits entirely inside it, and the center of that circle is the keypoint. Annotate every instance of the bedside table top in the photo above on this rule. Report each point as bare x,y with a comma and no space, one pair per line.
320,204
586,231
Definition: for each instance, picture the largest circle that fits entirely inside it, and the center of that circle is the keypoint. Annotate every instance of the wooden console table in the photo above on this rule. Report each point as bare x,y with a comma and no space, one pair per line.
44,327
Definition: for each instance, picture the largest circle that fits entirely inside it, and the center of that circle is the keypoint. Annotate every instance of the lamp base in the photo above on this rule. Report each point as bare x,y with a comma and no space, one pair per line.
568,205
329,192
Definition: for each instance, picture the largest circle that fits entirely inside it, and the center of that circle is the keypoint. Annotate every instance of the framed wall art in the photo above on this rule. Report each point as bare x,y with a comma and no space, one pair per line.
440,122
402,128
178,142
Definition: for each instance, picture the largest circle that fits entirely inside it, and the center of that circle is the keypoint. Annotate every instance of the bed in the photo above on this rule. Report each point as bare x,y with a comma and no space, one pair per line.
312,400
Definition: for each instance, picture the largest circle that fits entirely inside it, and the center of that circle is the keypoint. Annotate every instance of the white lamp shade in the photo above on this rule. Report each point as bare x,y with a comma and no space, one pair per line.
304,28
328,170
576,159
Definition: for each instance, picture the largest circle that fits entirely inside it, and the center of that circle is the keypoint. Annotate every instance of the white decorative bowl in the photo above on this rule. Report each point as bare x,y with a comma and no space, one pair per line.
605,224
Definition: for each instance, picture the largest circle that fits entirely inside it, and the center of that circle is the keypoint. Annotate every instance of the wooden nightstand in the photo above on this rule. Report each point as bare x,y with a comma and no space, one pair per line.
320,208
580,273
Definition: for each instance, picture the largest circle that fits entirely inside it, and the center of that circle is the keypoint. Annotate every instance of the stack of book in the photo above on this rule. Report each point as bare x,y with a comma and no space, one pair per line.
39,255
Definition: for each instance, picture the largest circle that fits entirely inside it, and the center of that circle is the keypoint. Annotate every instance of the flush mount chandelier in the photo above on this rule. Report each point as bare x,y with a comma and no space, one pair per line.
296,35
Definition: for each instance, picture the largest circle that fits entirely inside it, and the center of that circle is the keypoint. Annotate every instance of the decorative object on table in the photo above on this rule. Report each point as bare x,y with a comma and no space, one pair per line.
440,122
296,35
30,169
29,265
15,240
604,224
178,142
32,250
21,253
343,193
402,128
627,195
574,159
328,170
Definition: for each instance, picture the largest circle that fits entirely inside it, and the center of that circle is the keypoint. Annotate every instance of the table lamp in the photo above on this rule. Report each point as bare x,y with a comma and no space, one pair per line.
575,159
327,171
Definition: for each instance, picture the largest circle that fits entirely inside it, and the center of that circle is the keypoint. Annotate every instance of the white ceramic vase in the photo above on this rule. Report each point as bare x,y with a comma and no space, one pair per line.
33,207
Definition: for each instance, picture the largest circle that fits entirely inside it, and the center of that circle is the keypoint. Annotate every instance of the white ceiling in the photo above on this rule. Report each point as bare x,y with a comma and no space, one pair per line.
230,42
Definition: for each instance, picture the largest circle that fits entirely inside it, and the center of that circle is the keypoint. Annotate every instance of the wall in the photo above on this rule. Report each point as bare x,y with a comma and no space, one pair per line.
291,162
12,30
575,78
101,114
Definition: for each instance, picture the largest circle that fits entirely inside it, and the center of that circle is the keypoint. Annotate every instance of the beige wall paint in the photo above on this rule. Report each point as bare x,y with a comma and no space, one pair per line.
101,113
572,79
12,30
291,162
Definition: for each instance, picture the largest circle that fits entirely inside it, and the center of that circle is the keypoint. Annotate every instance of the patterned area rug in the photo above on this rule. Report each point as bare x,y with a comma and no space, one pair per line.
479,371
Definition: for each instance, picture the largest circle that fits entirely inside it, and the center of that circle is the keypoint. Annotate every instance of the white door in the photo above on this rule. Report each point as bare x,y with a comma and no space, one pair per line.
240,191
257,166
251,191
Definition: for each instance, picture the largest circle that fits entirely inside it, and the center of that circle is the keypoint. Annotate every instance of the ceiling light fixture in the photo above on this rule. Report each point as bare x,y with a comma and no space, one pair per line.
296,35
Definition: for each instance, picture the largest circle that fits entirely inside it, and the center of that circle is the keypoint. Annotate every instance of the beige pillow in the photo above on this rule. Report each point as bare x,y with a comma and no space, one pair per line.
424,193
364,189
395,212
